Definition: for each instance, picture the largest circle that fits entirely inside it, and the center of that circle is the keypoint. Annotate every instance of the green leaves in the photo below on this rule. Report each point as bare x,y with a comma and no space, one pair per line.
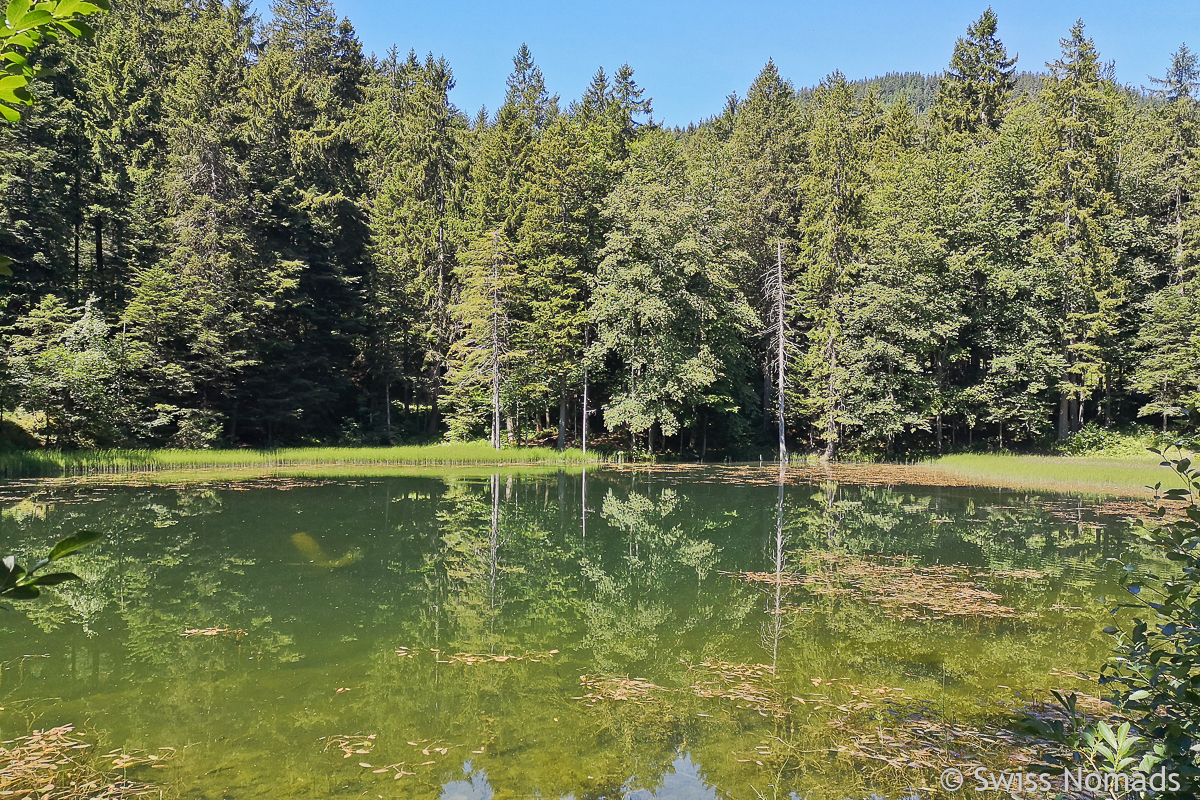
73,544
1151,672
26,25
17,583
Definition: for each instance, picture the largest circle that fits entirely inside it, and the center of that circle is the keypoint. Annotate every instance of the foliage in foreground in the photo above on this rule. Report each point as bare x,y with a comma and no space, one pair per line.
19,583
26,24
1155,670
1150,746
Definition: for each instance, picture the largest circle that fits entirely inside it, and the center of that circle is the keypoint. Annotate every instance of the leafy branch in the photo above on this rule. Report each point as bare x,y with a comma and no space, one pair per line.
19,583
27,24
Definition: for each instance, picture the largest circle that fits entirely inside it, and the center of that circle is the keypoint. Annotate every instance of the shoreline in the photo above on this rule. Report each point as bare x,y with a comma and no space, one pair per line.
1066,475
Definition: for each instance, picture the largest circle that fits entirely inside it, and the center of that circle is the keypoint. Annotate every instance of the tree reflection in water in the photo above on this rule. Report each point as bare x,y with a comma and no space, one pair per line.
625,577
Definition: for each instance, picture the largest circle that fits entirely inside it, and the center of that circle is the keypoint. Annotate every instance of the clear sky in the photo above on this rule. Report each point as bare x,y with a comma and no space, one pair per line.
690,55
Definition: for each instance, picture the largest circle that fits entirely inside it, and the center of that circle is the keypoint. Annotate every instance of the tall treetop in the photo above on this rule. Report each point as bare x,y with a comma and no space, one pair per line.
975,87
1182,80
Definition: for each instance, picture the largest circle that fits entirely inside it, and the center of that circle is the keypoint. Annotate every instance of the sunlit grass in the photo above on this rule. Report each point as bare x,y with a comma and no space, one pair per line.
303,461
1129,476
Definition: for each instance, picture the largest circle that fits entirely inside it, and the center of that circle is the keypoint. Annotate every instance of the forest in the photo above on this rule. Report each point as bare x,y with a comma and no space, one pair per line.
228,230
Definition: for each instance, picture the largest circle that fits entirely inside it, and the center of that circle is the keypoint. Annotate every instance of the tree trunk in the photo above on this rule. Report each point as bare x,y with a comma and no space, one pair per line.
1108,396
78,232
562,411
495,346
1064,416
766,400
831,400
583,425
781,365
99,251
435,385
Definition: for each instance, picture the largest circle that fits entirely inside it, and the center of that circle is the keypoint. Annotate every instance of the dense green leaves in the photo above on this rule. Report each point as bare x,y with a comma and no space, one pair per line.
665,303
1153,673
27,24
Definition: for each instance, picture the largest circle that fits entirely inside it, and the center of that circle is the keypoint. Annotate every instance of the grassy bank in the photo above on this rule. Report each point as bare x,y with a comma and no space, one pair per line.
295,461
1127,475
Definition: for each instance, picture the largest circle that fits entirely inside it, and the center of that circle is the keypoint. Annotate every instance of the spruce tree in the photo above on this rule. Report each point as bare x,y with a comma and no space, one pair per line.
1179,90
419,192
840,134
766,157
479,375
1077,212
974,89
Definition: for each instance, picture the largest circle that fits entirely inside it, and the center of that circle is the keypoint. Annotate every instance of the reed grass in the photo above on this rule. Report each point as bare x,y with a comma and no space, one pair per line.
1129,476
309,460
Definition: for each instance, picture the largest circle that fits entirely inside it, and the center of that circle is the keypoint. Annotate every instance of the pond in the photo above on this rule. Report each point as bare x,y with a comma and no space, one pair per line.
615,634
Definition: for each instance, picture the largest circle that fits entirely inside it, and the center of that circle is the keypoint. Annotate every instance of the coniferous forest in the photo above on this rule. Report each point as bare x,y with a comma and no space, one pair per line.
231,231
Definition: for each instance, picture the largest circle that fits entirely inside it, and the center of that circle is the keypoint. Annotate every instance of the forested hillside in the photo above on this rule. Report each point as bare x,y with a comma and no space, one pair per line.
230,231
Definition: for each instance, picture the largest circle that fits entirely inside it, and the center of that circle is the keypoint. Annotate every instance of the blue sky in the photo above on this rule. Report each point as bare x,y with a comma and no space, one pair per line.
690,55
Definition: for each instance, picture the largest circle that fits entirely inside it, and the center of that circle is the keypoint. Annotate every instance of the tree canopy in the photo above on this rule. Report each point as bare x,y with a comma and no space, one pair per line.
229,229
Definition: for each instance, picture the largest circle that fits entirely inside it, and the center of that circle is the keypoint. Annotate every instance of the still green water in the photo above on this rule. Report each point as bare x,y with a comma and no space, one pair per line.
361,620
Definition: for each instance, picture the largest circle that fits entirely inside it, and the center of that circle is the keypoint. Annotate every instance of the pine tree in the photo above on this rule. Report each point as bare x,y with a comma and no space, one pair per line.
124,77
201,304
302,99
501,186
45,170
416,220
554,241
766,156
1180,114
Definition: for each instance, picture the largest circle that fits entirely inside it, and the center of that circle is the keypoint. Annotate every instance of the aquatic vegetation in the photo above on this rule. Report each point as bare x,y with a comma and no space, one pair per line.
471,659
905,590
54,463
236,632
57,764
749,686
352,745
618,689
